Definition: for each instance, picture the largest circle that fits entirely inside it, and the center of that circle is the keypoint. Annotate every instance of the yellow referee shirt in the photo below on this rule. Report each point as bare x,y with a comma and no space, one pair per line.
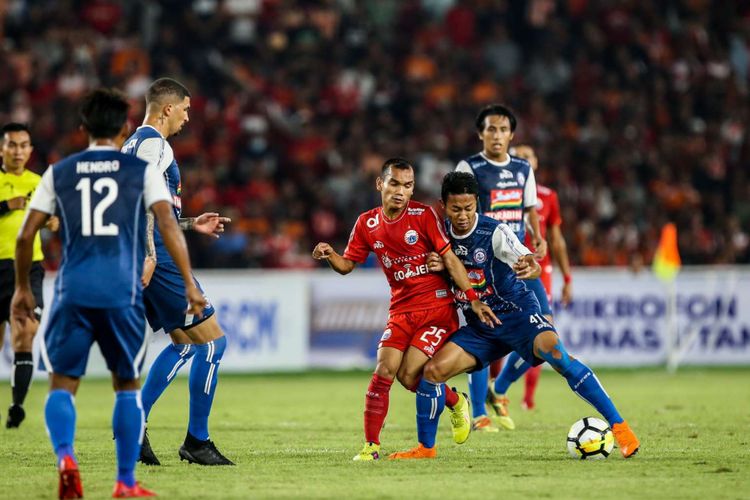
13,186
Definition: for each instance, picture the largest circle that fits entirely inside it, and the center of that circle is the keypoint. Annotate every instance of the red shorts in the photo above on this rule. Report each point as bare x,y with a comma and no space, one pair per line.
546,278
427,330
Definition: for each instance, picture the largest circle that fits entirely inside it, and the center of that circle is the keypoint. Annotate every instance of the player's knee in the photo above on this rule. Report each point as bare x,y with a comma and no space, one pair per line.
120,384
23,341
385,371
407,379
434,372
550,348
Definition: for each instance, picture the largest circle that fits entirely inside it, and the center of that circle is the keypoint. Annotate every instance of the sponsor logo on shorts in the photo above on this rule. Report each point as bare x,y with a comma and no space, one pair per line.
411,237
441,294
429,349
480,256
386,335
378,245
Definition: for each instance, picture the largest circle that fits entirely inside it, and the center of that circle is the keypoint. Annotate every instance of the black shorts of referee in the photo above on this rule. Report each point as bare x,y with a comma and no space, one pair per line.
8,286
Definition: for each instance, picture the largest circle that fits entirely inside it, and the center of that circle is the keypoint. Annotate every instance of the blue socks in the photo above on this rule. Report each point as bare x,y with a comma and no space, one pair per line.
515,366
163,371
478,384
203,377
430,404
60,416
127,426
584,383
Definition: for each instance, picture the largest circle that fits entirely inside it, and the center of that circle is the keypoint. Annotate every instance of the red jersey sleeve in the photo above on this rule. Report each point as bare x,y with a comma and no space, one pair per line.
554,218
433,228
357,249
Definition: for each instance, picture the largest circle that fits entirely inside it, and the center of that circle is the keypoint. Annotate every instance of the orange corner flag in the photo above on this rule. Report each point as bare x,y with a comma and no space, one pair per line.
667,257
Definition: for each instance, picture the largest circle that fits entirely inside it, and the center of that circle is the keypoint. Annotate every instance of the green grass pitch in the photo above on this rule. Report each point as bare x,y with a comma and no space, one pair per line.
295,435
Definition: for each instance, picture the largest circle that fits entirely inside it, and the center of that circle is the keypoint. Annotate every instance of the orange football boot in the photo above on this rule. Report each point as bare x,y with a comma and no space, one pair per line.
626,439
418,452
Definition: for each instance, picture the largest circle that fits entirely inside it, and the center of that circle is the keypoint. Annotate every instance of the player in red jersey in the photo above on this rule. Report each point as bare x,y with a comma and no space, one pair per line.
422,315
550,221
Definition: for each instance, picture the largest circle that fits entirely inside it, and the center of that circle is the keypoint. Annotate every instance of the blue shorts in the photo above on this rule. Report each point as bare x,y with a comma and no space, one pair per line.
166,303
537,288
516,333
120,333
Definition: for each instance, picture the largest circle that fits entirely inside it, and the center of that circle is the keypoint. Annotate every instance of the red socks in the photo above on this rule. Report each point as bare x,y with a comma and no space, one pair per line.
495,368
376,407
451,397
532,379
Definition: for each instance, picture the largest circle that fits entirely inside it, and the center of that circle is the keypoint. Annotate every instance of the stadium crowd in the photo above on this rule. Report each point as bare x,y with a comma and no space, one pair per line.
638,110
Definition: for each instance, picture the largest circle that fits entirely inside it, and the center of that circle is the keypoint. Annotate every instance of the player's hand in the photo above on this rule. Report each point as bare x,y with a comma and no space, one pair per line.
485,314
149,265
22,306
435,262
540,244
322,251
210,223
17,203
567,294
53,223
527,268
196,301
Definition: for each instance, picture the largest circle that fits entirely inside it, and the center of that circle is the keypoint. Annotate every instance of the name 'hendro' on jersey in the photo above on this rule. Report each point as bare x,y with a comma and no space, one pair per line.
506,188
97,167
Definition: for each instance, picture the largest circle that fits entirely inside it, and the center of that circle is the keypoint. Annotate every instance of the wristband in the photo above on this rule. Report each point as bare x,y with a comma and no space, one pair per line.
567,278
471,295
4,208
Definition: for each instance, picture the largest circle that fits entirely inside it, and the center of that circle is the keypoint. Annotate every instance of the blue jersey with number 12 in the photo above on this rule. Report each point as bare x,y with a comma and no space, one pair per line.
101,197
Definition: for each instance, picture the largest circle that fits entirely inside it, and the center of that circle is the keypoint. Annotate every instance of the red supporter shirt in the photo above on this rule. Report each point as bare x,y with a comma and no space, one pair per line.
401,246
548,208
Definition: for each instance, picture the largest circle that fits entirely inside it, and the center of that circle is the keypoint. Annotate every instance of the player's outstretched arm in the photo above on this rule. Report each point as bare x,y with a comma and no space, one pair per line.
457,272
209,223
23,303
324,251
560,254
177,248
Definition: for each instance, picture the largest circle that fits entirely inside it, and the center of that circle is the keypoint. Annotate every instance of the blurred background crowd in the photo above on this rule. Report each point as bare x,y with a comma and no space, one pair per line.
638,110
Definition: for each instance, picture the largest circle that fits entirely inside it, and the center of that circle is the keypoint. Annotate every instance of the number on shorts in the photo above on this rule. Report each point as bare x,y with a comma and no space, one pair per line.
434,332
538,318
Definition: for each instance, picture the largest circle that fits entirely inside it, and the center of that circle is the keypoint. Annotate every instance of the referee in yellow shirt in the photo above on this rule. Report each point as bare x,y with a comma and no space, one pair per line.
16,187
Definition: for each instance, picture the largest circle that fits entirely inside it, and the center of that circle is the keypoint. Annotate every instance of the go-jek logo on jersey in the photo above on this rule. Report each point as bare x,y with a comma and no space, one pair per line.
410,271
505,198
411,237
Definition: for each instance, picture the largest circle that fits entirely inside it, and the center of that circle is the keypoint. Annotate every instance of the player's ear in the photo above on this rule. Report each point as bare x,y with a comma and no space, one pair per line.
379,183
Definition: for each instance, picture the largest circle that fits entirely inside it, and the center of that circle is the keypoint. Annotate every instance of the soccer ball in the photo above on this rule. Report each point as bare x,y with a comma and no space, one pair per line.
590,439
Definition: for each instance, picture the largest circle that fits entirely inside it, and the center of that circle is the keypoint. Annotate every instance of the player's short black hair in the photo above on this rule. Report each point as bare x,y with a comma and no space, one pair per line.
397,163
165,88
495,109
104,112
458,183
15,127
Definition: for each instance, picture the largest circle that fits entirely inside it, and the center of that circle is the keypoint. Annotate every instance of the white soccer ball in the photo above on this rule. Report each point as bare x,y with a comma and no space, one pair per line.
590,439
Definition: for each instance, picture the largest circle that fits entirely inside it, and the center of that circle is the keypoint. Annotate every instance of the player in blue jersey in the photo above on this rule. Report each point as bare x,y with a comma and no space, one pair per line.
507,193
193,336
101,197
497,261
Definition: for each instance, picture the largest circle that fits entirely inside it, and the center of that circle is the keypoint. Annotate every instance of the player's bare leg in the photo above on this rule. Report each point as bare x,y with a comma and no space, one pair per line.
22,339
377,400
